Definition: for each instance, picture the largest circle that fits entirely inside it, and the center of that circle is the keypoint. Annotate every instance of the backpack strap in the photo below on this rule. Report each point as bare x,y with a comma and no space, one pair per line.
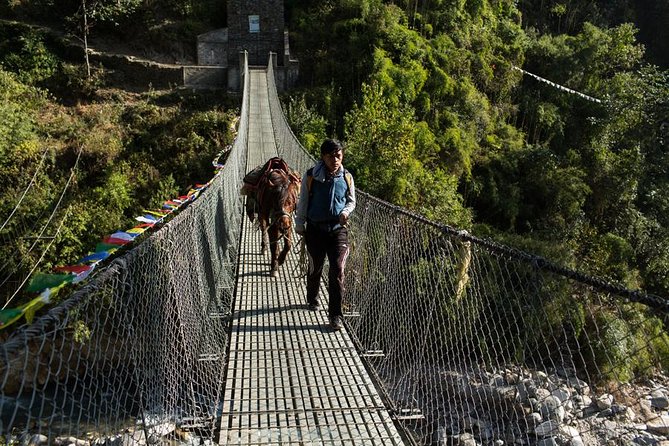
310,179
348,178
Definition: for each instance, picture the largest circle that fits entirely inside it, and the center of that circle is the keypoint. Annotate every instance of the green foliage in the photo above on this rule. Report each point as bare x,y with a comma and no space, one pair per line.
112,12
115,193
653,250
380,143
132,157
446,98
81,332
166,187
18,139
27,55
628,345
306,123
72,84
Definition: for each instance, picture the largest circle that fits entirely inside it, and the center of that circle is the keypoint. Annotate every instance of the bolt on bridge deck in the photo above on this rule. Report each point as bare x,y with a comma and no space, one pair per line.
290,378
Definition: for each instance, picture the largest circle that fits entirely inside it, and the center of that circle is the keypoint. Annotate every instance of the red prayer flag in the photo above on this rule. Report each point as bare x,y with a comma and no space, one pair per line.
115,241
76,269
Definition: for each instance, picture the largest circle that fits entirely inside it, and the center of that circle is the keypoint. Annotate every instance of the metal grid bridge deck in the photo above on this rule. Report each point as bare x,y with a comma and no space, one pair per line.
290,379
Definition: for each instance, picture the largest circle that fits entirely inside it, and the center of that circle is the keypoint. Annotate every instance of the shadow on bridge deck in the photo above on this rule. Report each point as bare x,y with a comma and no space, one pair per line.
290,379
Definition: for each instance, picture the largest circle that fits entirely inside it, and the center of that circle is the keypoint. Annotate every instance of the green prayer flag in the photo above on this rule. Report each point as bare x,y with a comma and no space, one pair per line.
41,281
104,247
9,316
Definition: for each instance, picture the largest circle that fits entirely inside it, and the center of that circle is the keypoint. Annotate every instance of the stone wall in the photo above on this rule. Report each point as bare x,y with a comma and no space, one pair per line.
212,48
140,74
198,76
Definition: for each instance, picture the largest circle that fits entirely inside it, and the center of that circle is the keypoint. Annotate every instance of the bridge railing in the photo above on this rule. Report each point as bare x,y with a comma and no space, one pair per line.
137,354
473,342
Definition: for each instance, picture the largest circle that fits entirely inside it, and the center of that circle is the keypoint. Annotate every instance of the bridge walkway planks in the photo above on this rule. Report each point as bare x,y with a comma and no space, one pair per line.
290,380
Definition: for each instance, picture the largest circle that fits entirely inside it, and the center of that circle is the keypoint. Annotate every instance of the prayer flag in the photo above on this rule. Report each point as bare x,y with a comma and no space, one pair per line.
104,247
83,275
41,281
95,257
147,219
9,315
115,241
74,269
31,307
123,235
155,213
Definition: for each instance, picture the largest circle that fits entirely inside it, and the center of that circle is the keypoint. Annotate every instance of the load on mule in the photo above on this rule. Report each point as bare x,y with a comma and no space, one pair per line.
271,192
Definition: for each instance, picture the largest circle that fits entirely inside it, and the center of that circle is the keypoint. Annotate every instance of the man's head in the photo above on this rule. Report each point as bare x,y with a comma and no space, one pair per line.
332,154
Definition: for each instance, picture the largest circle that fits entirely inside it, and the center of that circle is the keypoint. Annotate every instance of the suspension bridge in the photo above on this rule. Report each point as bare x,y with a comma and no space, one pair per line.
449,339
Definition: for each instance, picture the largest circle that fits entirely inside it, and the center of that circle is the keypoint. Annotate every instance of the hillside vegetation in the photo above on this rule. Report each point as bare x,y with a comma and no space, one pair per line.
129,151
438,118
427,96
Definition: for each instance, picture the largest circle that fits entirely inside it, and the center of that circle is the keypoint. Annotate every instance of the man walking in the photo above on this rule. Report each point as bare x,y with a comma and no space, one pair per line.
327,198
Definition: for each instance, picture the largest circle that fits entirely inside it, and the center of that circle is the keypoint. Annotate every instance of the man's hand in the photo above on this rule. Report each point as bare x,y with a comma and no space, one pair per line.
300,230
343,219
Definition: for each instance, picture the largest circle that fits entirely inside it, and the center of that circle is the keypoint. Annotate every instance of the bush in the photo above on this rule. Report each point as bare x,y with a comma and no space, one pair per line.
627,344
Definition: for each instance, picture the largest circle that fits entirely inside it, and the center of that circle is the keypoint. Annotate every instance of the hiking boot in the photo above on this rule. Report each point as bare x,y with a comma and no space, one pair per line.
314,306
336,323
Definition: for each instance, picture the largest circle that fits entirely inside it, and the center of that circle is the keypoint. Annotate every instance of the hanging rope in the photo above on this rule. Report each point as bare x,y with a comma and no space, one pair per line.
25,258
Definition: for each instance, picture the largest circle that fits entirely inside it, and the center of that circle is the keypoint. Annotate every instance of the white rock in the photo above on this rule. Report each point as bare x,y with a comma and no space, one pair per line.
562,394
573,435
533,419
551,409
546,428
36,440
659,425
541,393
658,393
604,401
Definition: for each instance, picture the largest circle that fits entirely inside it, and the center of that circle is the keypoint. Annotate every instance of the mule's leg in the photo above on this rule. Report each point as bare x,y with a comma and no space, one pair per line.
250,207
286,247
274,249
262,223
264,241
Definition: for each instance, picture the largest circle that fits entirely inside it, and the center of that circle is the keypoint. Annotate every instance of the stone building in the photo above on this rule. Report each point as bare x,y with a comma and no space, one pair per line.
255,26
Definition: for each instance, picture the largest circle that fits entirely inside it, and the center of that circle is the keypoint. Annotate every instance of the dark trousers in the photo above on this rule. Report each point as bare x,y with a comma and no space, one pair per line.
334,244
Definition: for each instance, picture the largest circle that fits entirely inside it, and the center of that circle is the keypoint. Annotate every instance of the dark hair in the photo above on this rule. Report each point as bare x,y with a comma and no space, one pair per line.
330,146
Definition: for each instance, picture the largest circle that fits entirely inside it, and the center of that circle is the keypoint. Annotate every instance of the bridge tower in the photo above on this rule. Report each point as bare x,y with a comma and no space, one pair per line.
256,26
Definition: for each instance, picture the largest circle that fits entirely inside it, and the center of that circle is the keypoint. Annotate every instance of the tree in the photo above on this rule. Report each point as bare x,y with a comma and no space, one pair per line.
92,12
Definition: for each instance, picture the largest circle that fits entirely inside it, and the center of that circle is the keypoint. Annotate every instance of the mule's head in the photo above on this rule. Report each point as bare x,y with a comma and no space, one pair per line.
284,222
280,194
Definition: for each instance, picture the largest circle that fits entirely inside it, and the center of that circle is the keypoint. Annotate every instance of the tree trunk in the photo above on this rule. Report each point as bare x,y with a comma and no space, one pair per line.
85,17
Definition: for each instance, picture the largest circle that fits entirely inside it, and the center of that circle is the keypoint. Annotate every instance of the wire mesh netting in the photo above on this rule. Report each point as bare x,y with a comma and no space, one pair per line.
476,343
138,352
